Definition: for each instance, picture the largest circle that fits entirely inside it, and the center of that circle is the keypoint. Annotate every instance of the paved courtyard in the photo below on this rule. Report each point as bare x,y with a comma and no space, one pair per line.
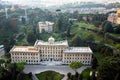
61,69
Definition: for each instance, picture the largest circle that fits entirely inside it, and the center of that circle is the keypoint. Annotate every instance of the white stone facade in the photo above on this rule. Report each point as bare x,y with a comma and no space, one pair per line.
46,26
118,16
28,54
77,54
51,51
114,17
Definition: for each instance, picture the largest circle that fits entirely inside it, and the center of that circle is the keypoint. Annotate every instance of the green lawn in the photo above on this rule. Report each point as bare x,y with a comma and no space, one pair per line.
21,42
84,33
90,26
45,36
116,35
23,76
50,75
77,30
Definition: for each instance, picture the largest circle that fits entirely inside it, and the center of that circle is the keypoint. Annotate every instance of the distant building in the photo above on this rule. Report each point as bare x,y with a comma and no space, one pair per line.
73,19
100,10
118,16
51,51
13,22
14,7
46,26
84,18
112,18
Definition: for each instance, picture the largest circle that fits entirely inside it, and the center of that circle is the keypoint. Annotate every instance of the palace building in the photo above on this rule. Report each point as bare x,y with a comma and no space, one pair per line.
46,26
114,17
51,51
118,16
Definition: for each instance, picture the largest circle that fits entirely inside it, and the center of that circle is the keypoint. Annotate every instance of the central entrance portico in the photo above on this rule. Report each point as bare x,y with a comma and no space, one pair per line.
51,62
51,52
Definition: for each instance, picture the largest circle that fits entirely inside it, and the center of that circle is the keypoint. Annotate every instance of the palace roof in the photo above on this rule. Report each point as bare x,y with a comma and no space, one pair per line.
78,50
24,49
59,43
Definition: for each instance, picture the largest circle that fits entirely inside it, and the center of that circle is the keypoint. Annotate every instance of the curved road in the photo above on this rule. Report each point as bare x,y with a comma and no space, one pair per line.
61,69
35,69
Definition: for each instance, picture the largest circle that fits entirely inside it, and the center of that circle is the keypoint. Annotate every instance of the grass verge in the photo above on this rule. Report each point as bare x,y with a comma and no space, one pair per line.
49,75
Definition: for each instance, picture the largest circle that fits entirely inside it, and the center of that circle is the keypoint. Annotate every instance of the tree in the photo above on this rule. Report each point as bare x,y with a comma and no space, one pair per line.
13,70
107,27
1,61
117,29
117,46
69,75
77,41
90,38
1,69
23,20
76,14
31,37
30,74
94,63
93,77
117,77
76,75
75,65
6,45
107,50
58,25
62,23
20,66
109,68
68,31
80,77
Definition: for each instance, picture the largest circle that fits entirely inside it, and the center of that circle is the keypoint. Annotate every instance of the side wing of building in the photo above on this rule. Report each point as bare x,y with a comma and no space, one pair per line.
28,54
78,54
